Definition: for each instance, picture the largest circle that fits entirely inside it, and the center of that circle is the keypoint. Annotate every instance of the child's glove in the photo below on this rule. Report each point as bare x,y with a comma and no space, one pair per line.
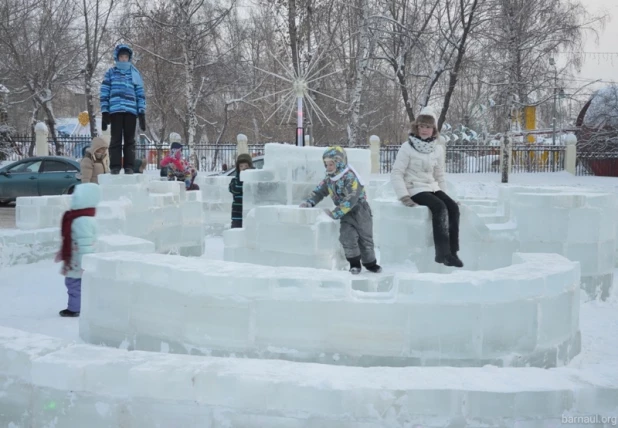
329,213
407,201
305,205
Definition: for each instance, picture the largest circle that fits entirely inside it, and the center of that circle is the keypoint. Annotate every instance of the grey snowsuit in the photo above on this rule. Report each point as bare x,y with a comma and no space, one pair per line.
352,208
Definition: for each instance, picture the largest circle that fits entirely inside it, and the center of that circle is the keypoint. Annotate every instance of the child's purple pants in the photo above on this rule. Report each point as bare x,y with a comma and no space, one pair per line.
74,289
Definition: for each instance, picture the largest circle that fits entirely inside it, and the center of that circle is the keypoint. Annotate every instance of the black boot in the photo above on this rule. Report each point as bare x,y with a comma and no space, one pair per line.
68,314
453,260
373,267
115,171
355,265
128,171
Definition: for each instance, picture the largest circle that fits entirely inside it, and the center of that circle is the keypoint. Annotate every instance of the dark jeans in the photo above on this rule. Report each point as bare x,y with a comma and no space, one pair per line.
445,220
123,125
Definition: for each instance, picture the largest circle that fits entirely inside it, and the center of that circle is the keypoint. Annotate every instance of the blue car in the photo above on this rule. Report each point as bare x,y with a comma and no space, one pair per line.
38,176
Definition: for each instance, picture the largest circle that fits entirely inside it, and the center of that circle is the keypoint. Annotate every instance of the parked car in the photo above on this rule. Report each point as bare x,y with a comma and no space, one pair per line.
258,163
38,176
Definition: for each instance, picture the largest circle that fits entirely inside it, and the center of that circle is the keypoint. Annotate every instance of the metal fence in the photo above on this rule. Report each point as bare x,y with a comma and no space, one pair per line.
604,164
486,159
459,158
22,146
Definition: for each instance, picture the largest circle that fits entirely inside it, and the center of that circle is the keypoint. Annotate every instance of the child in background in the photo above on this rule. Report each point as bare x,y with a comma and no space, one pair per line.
95,161
346,189
178,168
79,234
243,162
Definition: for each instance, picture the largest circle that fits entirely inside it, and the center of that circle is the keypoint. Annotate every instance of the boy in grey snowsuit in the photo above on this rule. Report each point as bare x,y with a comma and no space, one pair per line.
343,185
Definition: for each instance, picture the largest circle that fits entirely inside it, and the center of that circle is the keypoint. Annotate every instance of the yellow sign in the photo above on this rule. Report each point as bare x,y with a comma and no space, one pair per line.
530,120
83,118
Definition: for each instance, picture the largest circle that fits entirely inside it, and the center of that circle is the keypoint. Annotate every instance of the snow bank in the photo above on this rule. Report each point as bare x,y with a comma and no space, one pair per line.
49,382
524,314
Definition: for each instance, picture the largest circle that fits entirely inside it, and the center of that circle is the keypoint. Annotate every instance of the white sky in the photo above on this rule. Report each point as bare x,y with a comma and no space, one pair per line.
601,66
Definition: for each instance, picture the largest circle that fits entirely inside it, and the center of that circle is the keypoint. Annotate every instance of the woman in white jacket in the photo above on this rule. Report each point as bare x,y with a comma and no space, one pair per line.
418,179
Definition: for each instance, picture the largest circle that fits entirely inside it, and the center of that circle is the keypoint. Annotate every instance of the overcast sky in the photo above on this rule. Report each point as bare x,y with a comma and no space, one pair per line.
601,66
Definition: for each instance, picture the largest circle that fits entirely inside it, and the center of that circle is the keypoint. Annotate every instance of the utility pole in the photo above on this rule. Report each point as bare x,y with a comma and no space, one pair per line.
552,62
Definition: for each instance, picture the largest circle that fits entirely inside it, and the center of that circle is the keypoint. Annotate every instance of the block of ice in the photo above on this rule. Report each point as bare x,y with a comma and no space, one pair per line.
432,318
110,243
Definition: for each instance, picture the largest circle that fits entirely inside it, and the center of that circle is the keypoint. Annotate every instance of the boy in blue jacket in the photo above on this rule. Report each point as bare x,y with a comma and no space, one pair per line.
346,189
122,103
79,235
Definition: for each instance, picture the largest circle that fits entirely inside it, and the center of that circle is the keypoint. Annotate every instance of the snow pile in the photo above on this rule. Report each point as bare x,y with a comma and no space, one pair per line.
286,236
50,382
526,314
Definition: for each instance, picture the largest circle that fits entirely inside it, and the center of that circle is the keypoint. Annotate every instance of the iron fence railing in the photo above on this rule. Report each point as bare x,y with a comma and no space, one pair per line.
604,164
486,159
217,157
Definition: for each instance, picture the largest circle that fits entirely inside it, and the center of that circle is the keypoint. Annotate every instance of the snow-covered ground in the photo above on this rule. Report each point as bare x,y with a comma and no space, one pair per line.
33,294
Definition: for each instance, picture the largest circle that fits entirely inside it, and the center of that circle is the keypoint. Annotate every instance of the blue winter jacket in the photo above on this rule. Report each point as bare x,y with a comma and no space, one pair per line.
83,229
122,90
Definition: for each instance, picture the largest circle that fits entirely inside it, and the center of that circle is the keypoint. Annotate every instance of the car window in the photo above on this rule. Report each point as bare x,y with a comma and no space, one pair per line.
32,166
57,166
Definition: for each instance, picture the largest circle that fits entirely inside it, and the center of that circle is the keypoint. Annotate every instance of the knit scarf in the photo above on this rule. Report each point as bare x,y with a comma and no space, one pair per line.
422,146
67,242
136,78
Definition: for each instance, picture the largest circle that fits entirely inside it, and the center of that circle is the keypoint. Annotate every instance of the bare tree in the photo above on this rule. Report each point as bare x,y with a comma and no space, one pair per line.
96,14
192,24
41,51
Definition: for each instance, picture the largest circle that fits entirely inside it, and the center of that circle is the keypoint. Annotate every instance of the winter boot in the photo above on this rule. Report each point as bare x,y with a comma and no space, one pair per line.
373,267
68,314
453,260
115,171
355,265
128,171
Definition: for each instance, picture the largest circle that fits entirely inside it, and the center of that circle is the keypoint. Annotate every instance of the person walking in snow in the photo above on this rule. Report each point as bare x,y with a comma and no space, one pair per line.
178,168
347,191
122,103
79,235
418,179
95,161
243,162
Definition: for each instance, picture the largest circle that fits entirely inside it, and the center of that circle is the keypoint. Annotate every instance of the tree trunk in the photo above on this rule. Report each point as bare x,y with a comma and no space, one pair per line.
191,98
89,100
362,63
50,120
454,75
293,31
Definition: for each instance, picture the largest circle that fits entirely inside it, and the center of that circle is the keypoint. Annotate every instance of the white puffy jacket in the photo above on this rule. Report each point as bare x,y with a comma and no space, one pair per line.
415,172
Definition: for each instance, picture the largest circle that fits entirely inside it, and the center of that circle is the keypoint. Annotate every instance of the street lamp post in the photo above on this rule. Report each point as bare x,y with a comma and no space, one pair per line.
552,62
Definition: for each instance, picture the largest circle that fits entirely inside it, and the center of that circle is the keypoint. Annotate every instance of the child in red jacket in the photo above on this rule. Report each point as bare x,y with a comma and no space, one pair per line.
178,168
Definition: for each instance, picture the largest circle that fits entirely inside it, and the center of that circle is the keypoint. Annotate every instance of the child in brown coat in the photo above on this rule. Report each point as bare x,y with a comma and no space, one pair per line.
95,161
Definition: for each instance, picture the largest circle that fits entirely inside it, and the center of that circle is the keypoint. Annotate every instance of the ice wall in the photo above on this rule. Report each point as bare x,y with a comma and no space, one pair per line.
216,202
524,314
290,174
49,382
577,223
286,236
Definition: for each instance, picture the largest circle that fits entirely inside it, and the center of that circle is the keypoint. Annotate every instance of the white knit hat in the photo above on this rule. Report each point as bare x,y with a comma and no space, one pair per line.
428,111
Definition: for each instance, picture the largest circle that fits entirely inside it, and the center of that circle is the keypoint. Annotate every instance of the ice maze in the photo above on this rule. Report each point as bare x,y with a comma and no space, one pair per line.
278,334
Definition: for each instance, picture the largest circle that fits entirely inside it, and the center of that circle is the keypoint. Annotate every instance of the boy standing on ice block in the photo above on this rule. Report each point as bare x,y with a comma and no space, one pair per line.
243,162
79,234
346,189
